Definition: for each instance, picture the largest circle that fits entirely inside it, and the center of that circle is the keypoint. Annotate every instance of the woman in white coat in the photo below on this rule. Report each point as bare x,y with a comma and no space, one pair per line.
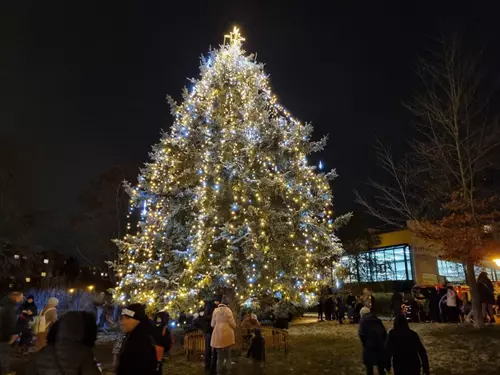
223,336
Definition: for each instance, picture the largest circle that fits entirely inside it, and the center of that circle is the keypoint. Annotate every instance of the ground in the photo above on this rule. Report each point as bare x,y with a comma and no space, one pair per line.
327,348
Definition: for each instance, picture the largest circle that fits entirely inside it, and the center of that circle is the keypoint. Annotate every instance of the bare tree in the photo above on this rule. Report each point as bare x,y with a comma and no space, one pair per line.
440,183
104,209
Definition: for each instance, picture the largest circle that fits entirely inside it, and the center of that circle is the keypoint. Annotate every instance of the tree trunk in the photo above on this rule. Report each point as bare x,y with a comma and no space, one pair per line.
474,292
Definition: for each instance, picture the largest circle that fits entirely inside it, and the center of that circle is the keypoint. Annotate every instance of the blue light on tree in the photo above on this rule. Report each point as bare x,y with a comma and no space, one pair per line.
320,165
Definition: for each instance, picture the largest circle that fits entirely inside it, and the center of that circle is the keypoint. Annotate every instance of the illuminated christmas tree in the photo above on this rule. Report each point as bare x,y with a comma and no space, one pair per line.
228,200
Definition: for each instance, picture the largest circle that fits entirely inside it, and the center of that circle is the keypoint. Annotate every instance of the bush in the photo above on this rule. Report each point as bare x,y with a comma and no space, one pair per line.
77,301
383,304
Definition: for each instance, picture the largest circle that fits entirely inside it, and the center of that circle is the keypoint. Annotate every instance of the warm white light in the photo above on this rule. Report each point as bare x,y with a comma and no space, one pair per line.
46,261
44,274
16,256
28,279
497,262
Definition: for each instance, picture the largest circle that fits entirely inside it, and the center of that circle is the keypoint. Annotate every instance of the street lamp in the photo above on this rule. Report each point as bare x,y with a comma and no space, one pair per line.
497,262
91,287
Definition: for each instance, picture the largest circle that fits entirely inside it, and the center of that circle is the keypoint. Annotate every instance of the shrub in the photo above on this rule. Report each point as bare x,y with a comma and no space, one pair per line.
77,301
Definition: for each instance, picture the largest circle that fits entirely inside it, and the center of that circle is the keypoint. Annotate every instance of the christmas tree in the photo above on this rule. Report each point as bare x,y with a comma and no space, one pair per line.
229,200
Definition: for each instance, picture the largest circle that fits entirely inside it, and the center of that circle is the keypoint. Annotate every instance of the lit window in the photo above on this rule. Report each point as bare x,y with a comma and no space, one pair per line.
28,279
44,274
453,271
384,264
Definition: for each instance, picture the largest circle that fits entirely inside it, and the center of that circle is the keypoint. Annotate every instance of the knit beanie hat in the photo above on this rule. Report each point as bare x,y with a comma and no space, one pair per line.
135,311
53,301
365,310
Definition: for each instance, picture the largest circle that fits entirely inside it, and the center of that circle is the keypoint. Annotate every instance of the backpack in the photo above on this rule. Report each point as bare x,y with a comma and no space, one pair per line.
40,323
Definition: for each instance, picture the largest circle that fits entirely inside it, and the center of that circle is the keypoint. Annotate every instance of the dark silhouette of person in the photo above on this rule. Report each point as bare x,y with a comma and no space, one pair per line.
405,349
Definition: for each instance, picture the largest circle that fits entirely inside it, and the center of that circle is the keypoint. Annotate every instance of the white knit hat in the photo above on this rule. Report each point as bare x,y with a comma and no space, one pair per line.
53,301
365,310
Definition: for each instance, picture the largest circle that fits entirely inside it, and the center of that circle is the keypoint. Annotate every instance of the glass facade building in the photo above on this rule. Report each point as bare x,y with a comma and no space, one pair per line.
392,263
455,273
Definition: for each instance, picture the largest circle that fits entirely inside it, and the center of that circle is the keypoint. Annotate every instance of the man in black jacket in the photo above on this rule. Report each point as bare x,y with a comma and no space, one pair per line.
138,353
8,322
69,347
210,355
373,337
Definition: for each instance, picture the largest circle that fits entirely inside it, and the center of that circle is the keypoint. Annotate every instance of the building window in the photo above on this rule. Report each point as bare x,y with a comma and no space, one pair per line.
384,264
453,271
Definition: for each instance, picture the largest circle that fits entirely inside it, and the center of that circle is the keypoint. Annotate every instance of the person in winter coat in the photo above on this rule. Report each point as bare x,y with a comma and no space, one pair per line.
357,309
69,347
368,299
486,296
451,298
116,350
406,350
350,300
210,355
8,328
329,307
396,303
223,334
321,304
373,337
162,338
340,308
434,305
138,351
257,351
28,311
50,314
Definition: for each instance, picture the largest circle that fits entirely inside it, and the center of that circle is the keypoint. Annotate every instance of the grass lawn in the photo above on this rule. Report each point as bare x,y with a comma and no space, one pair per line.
329,348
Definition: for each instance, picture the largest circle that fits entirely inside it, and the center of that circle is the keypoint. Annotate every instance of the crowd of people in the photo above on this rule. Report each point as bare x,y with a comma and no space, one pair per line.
332,306
446,305
64,345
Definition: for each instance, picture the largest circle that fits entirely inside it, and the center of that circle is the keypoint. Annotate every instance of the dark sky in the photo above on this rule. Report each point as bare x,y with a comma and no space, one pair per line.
83,83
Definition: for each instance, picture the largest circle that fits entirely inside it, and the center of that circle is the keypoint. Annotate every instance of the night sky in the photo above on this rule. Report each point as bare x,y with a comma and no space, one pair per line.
83,84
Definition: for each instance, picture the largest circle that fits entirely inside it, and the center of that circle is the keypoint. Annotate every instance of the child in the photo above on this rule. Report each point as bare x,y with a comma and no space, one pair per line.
257,351
162,338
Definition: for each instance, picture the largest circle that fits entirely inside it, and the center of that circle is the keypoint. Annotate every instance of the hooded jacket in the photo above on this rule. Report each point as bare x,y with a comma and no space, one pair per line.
7,319
71,354
138,352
